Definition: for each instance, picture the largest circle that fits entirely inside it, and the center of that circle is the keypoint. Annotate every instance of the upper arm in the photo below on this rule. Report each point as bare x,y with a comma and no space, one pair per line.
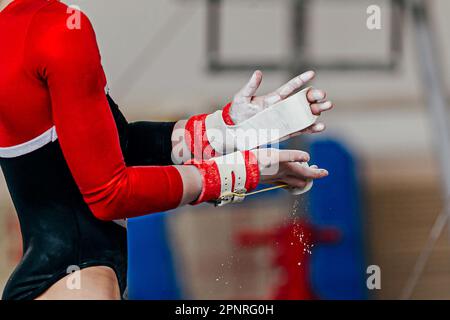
69,63
86,130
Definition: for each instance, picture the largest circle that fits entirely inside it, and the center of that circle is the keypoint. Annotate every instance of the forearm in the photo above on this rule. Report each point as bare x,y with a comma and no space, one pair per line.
137,191
143,143
192,183
149,143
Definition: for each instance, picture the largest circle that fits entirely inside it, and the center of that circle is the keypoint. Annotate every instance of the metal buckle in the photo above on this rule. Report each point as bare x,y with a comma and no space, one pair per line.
236,196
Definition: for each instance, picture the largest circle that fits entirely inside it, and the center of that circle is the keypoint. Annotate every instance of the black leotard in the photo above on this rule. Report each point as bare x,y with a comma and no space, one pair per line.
58,229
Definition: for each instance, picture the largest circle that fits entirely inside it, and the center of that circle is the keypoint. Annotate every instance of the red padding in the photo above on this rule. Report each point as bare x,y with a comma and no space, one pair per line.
196,137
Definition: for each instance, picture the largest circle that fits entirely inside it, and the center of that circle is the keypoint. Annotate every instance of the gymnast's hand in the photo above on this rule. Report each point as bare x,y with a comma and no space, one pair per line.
286,167
245,104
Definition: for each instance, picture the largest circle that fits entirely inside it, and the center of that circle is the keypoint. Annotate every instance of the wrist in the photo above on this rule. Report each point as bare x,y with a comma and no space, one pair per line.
224,178
190,139
192,183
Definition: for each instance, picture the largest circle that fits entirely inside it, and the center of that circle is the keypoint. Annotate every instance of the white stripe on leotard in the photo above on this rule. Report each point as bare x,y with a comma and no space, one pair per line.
29,146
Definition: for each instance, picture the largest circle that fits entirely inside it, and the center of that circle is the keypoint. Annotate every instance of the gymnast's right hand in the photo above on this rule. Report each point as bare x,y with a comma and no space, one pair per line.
287,167
229,178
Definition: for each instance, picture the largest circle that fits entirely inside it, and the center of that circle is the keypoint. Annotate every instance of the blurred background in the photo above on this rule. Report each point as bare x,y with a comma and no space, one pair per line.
381,212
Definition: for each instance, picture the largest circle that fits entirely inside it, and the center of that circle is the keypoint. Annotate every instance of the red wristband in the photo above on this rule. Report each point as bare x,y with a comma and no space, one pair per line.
196,138
226,115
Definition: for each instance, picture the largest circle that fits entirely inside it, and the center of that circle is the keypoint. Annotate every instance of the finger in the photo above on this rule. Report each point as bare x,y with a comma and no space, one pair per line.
293,156
315,95
303,172
267,158
271,99
273,177
249,90
293,85
318,108
315,128
289,88
295,182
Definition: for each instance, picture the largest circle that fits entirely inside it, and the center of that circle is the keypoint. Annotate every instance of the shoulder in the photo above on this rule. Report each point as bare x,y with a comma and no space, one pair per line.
56,16
60,38
58,30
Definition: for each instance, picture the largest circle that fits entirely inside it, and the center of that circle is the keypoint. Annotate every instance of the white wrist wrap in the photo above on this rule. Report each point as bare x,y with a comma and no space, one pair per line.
270,125
233,163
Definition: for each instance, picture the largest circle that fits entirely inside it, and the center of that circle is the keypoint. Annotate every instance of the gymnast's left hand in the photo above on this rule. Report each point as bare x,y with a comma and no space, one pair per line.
245,104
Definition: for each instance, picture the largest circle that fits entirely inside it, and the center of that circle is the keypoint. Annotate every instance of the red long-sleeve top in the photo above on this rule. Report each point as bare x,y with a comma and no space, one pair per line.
51,76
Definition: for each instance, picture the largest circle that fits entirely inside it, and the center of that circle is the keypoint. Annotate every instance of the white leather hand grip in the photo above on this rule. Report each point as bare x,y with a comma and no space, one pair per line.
268,126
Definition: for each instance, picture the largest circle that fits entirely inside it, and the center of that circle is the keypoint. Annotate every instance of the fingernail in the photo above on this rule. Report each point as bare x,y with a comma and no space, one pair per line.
319,127
307,76
326,106
318,95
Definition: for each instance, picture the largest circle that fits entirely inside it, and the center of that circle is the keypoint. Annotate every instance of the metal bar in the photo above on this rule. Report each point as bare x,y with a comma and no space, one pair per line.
435,94
370,66
419,266
298,35
298,60
213,32
397,30
433,87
